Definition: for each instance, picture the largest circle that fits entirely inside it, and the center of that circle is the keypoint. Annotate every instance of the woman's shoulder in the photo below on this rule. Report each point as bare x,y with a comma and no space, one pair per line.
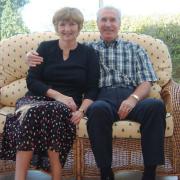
47,47
49,43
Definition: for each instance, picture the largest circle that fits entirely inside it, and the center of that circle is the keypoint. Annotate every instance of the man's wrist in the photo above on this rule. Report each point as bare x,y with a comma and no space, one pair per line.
136,97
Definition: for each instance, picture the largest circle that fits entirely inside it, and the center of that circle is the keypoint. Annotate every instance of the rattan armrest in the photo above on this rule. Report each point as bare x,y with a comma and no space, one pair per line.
171,96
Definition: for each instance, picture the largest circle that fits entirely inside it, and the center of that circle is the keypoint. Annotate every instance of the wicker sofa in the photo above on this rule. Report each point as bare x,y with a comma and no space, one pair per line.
126,135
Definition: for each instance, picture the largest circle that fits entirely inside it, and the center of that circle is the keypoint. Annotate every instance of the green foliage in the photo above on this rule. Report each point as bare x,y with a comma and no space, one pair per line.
90,26
170,34
168,31
11,21
166,28
16,3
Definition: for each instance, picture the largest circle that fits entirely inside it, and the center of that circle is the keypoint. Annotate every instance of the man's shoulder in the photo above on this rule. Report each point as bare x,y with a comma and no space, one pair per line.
131,45
95,44
128,43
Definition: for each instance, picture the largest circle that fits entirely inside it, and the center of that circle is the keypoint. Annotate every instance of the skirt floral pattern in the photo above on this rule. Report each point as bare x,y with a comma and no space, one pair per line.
38,124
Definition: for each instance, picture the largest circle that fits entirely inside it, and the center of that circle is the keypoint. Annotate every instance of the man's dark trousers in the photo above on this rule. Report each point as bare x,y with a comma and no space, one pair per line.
150,113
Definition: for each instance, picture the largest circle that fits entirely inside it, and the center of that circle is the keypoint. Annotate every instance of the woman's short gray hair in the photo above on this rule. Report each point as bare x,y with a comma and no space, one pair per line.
118,12
68,14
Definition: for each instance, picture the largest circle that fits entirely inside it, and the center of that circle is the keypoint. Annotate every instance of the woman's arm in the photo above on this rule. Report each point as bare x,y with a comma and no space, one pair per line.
91,92
37,86
68,101
93,74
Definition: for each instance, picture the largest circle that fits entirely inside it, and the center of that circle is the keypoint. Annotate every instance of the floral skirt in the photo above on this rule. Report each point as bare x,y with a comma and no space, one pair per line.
38,124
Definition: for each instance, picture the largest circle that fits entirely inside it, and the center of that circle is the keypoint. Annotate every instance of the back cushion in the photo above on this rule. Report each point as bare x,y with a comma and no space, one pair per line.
13,52
14,49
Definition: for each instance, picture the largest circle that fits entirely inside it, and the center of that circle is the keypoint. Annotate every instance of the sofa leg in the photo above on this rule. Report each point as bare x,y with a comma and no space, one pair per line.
78,177
78,156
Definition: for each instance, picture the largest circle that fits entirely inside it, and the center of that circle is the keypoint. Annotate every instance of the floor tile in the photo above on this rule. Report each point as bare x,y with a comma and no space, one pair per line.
33,175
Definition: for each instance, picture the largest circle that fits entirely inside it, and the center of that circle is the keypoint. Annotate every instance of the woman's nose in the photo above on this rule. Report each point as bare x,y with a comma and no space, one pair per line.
67,27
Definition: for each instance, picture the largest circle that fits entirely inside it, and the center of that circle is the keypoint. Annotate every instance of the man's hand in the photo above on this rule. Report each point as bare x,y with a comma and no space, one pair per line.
140,93
126,107
33,59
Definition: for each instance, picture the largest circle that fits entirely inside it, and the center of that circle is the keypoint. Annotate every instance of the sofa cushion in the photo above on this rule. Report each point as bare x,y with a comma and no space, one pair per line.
126,129
13,53
10,93
155,91
3,112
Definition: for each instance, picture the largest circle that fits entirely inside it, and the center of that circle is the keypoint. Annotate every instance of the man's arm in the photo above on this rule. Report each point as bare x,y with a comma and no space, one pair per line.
145,76
141,92
33,59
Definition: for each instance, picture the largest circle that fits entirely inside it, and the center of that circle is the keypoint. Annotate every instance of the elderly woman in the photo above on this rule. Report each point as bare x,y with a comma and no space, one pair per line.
60,90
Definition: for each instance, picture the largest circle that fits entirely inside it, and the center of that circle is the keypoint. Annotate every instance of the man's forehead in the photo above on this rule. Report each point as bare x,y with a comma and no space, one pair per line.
108,14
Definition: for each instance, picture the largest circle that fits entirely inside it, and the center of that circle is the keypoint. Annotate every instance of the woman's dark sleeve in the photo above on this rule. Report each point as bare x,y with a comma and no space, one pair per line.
93,74
34,78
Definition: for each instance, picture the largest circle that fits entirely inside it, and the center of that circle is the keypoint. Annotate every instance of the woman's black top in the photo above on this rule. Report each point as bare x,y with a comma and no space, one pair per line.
76,76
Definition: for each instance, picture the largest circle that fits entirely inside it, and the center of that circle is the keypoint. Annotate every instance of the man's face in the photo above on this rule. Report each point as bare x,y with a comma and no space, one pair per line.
108,24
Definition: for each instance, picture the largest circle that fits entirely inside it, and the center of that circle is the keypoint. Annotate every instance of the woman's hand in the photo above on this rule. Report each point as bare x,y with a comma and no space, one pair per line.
68,101
76,117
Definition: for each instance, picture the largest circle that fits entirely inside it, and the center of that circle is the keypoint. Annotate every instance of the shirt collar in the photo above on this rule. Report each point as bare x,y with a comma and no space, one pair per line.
110,44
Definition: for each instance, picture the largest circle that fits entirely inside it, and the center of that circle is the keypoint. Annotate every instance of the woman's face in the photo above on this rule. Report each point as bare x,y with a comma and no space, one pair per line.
68,30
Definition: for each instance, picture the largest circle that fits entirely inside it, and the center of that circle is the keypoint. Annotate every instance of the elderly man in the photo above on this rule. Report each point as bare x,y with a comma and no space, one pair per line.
125,82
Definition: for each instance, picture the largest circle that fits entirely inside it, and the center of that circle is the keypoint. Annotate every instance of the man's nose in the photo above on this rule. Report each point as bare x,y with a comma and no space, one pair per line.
108,23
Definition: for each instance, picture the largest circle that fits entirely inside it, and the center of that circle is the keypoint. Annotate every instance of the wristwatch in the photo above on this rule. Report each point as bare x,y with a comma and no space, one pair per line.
135,97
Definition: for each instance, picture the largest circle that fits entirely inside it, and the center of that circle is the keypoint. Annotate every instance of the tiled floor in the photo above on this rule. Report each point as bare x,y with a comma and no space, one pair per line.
36,175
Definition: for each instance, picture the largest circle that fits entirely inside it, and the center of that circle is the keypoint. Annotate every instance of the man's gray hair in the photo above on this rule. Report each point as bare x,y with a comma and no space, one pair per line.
110,8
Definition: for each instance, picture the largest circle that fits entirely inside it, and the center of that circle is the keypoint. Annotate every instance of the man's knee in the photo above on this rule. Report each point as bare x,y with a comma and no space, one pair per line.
154,111
158,106
155,105
98,107
99,110
149,109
